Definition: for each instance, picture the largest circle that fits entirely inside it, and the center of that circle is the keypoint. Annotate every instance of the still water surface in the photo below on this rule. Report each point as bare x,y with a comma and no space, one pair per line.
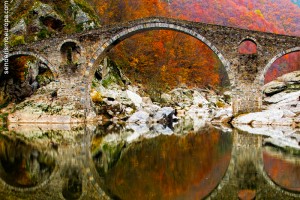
103,162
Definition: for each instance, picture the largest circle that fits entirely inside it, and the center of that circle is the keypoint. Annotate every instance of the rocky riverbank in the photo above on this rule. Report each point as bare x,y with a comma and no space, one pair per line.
281,104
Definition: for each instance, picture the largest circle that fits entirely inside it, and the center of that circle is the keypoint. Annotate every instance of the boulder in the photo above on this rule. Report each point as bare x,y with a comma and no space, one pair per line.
290,78
198,99
164,115
274,87
48,16
265,117
81,17
223,115
19,28
282,96
139,117
165,130
135,98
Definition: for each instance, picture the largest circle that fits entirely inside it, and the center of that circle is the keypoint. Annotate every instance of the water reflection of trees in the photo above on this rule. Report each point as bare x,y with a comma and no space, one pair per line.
22,165
167,167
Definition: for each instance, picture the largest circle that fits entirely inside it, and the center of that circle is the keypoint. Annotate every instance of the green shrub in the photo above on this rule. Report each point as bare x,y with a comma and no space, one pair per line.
17,40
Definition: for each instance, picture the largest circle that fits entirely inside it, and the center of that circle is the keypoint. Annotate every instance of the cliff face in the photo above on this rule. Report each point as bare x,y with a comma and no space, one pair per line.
31,20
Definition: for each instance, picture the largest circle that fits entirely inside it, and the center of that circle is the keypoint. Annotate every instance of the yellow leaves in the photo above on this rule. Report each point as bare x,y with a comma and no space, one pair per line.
96,96
258,12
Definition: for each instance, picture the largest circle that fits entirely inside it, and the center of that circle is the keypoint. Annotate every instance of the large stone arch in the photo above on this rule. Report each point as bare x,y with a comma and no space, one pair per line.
261,76
142,26
41,58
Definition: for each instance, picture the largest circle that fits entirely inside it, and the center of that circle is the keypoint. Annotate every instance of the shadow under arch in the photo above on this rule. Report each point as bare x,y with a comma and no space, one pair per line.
261,77
39,57
143,25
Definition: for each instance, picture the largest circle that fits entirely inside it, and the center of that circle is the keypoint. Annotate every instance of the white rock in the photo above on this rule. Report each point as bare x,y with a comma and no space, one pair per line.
198,99
164,113
165,130
135,98
152,108
290,78
274,87
139,117
283,97
265,117
19,28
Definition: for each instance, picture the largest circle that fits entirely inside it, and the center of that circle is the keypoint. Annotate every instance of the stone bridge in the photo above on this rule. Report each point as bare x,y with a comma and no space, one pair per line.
87,49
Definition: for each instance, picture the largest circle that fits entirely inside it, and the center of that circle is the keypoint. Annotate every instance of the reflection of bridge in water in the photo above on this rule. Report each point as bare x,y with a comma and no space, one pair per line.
75,176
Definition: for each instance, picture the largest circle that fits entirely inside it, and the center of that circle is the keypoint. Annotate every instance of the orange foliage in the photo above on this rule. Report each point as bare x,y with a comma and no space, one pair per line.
247,47
168,57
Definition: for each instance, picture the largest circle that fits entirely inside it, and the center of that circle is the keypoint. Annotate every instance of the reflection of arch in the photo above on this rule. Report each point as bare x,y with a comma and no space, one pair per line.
73,184
261,77
227,176
70,51
33,188
222,180
41,58
145,26
248,41
272,183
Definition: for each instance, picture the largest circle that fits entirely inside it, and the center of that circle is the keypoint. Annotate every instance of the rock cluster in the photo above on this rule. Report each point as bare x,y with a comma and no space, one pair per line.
281,104
117,100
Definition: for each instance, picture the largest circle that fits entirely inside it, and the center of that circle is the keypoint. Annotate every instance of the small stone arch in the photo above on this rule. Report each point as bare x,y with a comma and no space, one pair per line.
41,58
70,51
154,24
248,41
261,76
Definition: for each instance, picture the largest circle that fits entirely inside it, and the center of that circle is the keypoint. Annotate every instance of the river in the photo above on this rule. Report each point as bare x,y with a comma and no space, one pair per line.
118,162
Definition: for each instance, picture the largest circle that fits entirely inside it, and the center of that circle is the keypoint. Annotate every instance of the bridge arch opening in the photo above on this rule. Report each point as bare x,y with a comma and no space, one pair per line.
143,27
70,54
247,46
27,73
281,77
282,63
108,46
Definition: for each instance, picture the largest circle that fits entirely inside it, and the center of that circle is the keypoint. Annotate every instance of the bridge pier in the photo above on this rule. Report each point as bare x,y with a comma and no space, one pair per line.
246,100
